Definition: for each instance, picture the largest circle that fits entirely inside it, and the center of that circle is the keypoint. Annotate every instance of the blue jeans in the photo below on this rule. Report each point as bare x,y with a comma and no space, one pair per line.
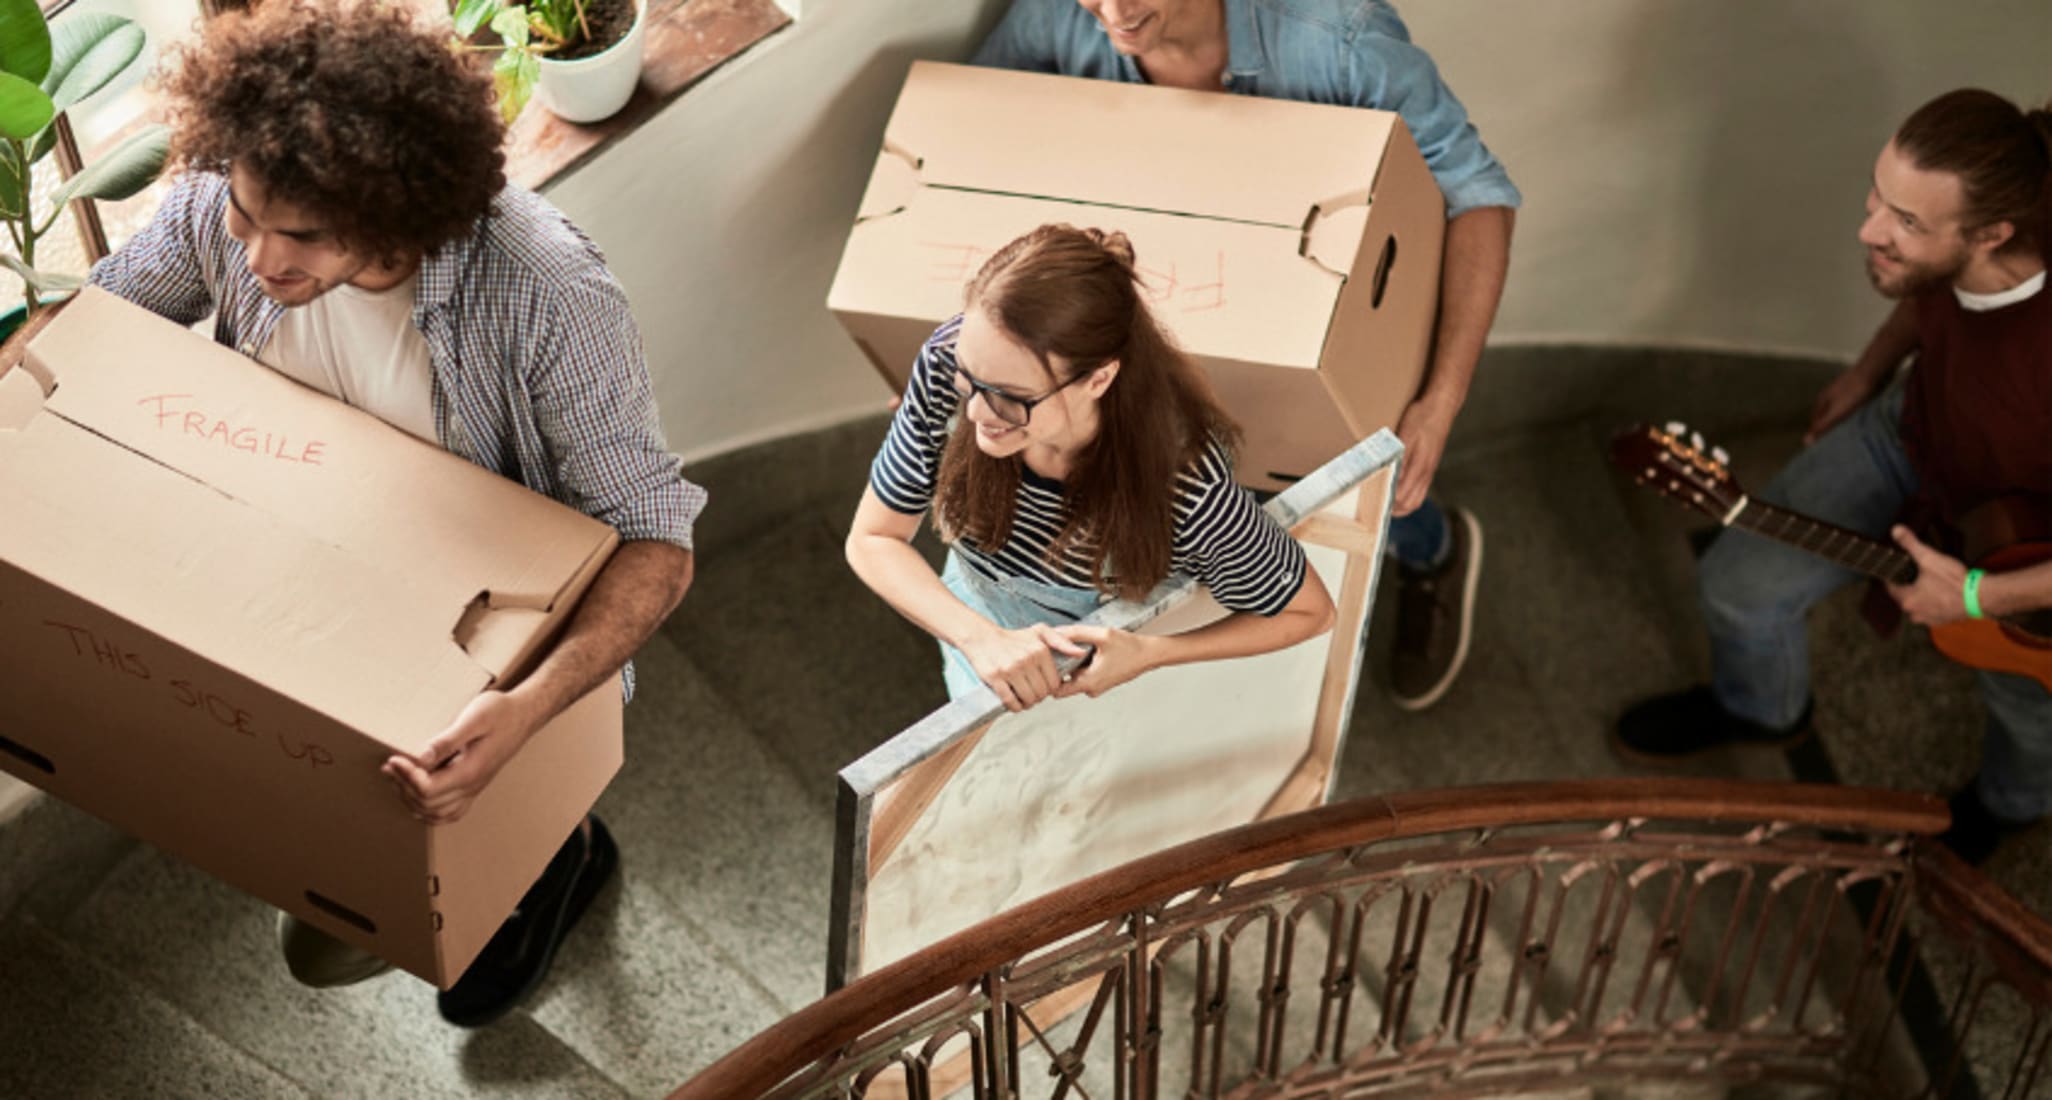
1011,602
1756,595
1419,541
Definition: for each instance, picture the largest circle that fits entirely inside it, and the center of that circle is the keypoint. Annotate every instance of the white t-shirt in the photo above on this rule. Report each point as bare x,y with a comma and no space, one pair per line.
360,346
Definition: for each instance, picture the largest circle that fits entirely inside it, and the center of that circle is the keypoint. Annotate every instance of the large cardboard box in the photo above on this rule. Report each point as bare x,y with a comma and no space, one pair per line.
1292,248
225,599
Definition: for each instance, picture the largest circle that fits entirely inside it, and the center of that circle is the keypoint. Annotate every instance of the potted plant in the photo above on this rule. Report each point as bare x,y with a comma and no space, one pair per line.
41,75
583,57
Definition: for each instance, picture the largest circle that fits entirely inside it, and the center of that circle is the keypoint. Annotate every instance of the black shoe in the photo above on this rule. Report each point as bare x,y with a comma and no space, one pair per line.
518,956
1667,729
1976,832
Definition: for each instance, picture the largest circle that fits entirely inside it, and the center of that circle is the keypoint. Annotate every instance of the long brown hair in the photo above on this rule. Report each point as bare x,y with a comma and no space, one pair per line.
2001,154
1070,296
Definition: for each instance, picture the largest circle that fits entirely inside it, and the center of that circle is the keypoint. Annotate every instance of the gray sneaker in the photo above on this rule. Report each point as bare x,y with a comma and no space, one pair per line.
1436,617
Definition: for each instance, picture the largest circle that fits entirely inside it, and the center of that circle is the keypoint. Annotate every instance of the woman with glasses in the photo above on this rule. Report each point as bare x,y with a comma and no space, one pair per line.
1069,454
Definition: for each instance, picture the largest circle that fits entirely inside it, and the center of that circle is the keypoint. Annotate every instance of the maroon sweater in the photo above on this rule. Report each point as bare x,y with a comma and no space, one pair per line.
1977,418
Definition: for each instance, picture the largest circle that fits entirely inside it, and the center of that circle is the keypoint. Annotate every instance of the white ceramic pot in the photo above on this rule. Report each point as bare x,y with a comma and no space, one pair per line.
591,88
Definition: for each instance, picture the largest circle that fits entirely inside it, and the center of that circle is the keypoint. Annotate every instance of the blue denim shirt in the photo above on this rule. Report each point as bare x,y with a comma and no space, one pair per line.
1353,53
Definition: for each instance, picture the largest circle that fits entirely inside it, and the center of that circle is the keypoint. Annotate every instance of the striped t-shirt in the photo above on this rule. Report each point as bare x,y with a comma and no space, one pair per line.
1222,537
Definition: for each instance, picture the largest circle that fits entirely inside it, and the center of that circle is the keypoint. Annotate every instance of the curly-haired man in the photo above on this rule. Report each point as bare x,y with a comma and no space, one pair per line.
344,215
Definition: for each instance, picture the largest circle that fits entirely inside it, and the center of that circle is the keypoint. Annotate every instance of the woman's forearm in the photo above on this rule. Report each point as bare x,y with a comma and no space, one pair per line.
896,572
1244,634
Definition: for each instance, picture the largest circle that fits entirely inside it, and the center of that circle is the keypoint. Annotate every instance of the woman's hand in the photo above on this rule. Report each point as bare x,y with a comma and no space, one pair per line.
1019,665
1116,657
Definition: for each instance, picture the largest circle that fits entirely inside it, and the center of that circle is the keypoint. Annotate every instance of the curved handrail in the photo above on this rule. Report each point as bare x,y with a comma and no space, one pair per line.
828,1024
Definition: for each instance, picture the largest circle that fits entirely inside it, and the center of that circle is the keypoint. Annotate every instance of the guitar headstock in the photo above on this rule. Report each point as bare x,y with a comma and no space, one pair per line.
1675,461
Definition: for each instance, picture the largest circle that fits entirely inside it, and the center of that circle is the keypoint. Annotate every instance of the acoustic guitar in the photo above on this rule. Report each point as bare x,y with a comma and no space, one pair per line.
2002,534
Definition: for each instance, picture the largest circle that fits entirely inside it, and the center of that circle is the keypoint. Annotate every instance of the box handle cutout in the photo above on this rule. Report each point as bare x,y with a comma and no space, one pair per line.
892,185
1290,479
28,755
23,391
1383,265
494,627
1334,232
342,913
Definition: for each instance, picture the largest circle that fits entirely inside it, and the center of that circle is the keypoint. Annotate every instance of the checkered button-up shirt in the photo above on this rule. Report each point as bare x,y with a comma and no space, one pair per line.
538,368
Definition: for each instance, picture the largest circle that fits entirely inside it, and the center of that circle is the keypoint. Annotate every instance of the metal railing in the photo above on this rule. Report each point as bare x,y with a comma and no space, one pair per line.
1471,942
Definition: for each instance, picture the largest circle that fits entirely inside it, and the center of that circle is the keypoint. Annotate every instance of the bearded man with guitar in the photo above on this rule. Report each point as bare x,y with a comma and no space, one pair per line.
1958,226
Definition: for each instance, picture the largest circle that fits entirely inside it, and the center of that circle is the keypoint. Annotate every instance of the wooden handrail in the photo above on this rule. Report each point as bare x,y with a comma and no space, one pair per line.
1971,903
828,1024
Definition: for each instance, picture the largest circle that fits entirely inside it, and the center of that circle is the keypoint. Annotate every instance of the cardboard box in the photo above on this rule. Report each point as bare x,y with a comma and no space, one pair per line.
1291,248
225,599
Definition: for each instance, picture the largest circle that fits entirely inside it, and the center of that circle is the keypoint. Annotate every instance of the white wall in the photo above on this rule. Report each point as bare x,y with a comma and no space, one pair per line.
1693,172
725,215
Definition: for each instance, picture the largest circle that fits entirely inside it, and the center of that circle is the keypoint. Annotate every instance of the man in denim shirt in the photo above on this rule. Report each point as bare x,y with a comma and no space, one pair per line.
1353,53
344,217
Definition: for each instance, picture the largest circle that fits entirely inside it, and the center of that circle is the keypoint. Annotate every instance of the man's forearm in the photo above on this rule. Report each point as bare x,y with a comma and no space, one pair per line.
1471,277
2017,591
631,596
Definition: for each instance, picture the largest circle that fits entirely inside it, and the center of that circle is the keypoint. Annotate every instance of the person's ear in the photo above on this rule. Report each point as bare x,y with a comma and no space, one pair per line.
1989,239
1101,379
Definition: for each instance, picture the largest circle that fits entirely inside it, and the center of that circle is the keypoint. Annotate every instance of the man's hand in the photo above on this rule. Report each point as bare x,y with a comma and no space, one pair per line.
1116,657
629,598
1840,399
1423,429
1938,595
440,783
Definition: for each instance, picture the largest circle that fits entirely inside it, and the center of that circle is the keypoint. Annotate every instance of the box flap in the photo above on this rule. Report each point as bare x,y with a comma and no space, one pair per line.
275,531
1139,146
1222,289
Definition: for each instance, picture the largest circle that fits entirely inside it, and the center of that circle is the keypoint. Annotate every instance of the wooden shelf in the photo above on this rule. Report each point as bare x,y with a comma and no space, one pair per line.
686,39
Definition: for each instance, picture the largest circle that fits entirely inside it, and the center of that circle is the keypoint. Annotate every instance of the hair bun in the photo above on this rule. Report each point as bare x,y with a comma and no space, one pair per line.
1114,242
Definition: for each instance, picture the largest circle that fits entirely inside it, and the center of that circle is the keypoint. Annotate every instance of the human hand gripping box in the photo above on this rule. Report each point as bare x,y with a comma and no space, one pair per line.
1291,248
225,599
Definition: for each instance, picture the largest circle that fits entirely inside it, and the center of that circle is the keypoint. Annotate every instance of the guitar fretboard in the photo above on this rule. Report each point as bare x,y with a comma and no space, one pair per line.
1882,560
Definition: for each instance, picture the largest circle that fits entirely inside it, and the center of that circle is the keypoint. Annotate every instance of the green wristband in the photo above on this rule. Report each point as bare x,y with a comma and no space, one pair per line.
1972,591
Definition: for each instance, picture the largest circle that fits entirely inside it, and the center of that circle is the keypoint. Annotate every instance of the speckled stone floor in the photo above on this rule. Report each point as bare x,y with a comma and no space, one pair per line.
125,973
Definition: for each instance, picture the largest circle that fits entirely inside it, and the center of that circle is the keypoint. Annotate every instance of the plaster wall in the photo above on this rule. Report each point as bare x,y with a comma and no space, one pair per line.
724,217
1693,175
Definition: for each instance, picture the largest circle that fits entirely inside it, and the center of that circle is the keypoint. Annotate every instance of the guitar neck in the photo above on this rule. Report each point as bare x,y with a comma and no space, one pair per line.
1860,553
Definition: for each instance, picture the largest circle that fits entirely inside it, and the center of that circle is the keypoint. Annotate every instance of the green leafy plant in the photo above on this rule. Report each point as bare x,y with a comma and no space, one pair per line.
41,76
527,33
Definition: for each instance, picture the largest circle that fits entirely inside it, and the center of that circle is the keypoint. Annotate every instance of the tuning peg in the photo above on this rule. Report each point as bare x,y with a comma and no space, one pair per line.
1720,456
1696,441
1676,427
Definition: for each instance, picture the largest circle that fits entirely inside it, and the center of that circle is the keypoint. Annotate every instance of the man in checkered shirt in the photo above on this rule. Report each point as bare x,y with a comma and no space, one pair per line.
344,216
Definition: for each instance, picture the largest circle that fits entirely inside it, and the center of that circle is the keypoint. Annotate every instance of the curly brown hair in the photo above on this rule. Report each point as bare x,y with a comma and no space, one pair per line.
349,110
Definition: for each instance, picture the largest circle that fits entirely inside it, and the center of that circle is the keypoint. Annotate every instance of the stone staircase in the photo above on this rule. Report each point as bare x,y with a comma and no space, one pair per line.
125,973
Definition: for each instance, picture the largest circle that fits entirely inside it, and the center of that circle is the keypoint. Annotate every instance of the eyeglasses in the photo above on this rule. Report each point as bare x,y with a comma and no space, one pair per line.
1008,407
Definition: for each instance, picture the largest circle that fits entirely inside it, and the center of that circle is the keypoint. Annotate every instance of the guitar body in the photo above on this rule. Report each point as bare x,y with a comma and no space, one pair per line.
2021,645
